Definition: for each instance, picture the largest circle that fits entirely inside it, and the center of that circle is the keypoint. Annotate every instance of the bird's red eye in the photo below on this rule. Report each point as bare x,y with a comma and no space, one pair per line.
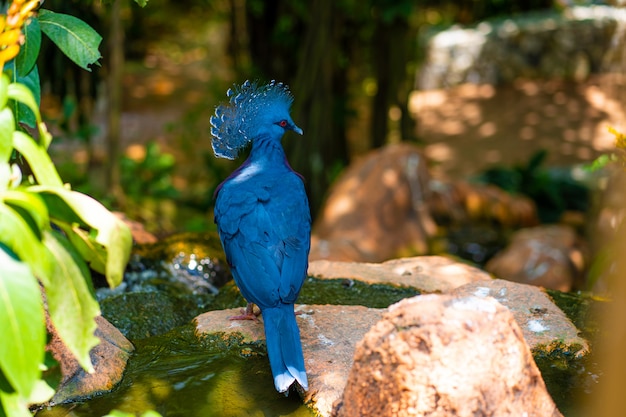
282,123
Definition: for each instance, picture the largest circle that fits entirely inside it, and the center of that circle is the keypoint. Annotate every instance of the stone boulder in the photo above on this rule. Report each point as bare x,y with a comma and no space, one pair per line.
550,256
441,355
109,359
540,44
377,209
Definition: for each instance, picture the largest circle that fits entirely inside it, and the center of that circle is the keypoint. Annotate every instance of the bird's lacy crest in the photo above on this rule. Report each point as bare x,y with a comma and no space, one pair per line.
236,122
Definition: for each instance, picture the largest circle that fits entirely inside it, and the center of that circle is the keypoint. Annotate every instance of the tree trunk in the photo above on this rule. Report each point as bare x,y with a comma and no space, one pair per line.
239,39
390,59
114,89
316,105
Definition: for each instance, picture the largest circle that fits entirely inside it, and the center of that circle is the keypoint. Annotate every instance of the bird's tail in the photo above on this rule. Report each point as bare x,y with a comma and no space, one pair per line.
284,347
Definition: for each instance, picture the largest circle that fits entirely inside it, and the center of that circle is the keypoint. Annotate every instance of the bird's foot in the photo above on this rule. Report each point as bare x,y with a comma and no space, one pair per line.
301,311
247,314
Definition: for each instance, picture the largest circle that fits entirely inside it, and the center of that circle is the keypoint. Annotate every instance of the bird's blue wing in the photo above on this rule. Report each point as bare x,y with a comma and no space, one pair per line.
266,239
294,230
255,275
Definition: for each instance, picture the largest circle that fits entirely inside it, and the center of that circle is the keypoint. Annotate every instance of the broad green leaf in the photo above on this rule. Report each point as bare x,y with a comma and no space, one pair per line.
45,136
14,405
74,37
17,235
23,329
22,93
25,93
7,127
26,59
42,392
5,177
31,204
38,159
4,90
92,252
71,304
105,229
142,3
23,111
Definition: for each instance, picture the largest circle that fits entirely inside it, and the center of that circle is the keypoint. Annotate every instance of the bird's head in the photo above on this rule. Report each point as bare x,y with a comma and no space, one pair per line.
252,111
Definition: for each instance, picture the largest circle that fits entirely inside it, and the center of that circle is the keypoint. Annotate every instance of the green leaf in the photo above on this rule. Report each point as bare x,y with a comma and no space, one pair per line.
118,413
71,304
5,178
16,233
26,59
31,204
23,94
600,162
142,3
7,127
91,251
74,37
38,159
151,413
107,234
42,392
14,405
27,113
23,329
26,93
4,90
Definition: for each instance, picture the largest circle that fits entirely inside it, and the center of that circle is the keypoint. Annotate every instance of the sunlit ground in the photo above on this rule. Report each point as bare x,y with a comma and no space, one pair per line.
471,127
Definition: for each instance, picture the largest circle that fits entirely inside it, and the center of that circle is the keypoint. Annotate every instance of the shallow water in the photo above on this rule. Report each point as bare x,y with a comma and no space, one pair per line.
178,375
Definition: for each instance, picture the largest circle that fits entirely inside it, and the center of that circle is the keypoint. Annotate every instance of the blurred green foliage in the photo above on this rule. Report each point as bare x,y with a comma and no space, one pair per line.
149,176
553,190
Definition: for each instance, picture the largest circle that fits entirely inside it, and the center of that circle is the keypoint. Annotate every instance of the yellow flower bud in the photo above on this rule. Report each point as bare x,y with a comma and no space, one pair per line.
9,52
10,37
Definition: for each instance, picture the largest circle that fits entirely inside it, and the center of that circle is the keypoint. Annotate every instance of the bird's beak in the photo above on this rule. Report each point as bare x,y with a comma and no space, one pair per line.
297,130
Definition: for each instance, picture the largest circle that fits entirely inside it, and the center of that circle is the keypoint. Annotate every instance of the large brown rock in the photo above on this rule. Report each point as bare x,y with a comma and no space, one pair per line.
109,359
552,257
438,355
377,208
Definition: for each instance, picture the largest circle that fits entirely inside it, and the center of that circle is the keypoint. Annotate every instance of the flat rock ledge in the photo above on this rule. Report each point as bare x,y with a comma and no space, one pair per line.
329,335
544,324
429,274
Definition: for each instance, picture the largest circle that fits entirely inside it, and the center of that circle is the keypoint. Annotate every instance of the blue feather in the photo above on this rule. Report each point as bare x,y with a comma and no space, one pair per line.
263,218
234,123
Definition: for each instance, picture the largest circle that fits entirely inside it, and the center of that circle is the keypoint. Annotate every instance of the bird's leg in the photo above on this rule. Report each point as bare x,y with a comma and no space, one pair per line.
247,314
